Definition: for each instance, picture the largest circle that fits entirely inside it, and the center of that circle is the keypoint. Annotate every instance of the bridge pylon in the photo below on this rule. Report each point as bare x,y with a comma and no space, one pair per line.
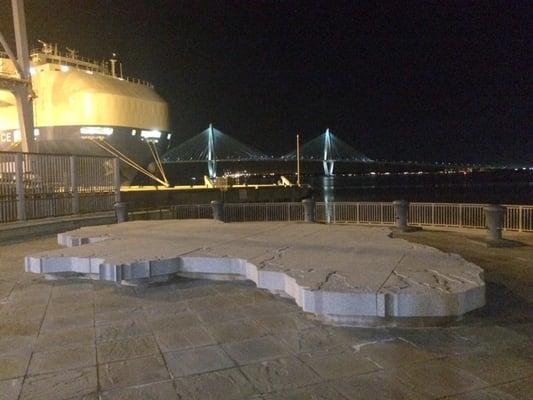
211,157
328,163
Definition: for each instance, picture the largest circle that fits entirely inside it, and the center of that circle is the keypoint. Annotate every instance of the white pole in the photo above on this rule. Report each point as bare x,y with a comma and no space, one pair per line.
298,159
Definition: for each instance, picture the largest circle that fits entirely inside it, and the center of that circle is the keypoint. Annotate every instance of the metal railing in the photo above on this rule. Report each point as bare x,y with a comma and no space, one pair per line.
244,212
50,185
451,215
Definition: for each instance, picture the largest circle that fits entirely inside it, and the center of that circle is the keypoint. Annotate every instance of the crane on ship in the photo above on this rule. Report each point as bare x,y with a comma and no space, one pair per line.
20,83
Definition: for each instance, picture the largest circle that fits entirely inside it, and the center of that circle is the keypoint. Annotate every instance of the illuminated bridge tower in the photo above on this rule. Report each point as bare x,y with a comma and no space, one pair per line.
211,157
328,162
328,149
212,147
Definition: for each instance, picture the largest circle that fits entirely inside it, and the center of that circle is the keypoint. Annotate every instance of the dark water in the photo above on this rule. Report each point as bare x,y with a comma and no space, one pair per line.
498,187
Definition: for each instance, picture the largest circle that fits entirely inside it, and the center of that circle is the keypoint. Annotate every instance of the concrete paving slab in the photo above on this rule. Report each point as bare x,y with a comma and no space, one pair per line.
70,357
233,331
133,347
378,385
183,339
137,371
341,273
319,392
14,364
122,330
392,353
339,363
229,384
47,341
60,385
309,340
520,389
197,361
439,378
483,394
280,374
154,391
10,388
256,350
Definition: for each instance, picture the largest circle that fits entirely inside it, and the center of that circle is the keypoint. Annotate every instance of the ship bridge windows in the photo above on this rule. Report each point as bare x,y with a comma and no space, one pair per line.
150,134
96,131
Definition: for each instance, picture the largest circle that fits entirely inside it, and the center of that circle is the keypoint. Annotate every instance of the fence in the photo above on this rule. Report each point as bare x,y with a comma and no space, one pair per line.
452,215
49,185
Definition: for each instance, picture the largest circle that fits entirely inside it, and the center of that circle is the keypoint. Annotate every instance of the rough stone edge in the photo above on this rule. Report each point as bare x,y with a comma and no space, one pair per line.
16,231
345,308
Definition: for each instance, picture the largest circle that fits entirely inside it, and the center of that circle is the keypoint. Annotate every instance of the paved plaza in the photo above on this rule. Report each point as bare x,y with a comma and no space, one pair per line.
200,339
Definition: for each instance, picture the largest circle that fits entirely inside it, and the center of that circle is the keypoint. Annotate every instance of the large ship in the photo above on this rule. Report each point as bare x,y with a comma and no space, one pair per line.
86,107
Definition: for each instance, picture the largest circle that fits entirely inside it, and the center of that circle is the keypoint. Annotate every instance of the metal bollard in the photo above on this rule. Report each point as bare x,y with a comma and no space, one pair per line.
494,214
309,210
121,211
401,214
218,210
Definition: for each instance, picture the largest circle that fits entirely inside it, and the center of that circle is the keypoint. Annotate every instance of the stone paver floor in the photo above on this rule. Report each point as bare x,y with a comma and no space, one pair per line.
197,339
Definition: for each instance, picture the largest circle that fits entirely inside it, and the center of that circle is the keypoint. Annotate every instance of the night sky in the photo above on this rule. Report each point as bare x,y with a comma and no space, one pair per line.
409,80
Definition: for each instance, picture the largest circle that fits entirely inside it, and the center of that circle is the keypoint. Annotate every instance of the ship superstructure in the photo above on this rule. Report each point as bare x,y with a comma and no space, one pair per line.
82,106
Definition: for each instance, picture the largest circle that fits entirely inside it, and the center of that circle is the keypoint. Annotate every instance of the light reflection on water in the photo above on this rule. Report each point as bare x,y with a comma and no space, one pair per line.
429,188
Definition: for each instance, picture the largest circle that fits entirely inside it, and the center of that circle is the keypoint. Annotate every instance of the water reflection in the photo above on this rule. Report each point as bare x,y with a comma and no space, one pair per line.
328,189
505,188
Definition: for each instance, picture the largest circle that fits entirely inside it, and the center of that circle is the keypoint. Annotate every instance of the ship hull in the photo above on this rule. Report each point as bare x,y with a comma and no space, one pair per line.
75,107
68,140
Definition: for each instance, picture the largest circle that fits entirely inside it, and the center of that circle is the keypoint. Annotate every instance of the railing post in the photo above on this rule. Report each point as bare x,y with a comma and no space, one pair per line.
218,210
74,185
460,215
19,182
309,210
116,180
520,216
494,214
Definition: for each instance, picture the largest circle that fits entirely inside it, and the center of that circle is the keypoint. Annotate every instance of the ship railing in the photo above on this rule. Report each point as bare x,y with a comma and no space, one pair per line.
84,64
440,215
48,185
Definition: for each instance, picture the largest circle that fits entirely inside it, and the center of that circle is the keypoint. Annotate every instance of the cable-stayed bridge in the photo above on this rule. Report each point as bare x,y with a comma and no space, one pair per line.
212,146
327,148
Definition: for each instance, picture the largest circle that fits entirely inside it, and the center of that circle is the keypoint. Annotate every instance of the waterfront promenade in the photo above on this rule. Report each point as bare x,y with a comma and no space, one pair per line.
199,339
